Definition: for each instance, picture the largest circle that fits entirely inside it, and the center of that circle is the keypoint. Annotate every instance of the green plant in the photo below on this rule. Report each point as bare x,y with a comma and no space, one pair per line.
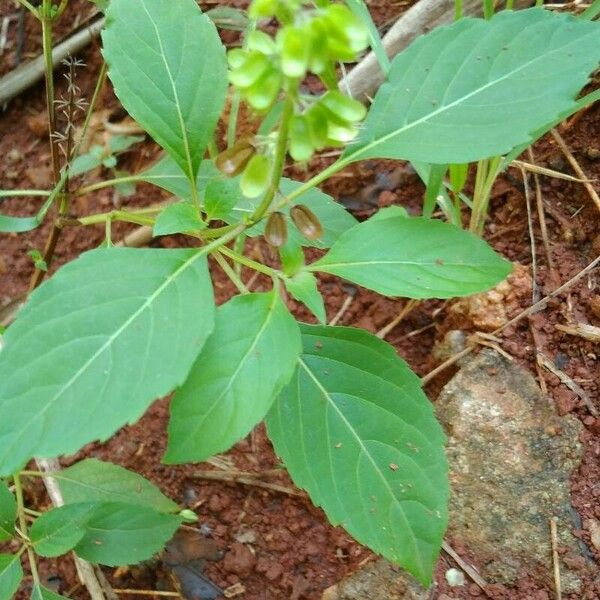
118,327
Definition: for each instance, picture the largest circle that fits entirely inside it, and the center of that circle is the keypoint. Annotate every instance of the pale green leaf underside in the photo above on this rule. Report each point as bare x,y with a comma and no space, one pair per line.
250,355
109,533
478,88
303,287
92,480
356,431
11,573
109,333
168,68
8,512
414,258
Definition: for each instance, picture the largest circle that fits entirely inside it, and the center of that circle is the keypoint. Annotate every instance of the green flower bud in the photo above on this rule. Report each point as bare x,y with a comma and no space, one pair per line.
349,25
306,221
342,106
294,51
262,8
301,147
264,92
259,41
319,58
236,58
255,179
276,231
250,71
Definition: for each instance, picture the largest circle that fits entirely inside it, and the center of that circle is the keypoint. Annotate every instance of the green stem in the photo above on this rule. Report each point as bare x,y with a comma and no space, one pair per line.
239,284
238,247
233,118
61,8
117,215
252,264
488,9
32,9
108,183
23,527
279,161
509,5
46,21
16,193
458,10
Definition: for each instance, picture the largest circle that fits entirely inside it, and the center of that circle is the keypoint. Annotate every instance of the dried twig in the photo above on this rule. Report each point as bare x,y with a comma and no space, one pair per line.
345,306
149,593
407,308
576,167
247,479
522,315
582,330
555,563
466,567
572,385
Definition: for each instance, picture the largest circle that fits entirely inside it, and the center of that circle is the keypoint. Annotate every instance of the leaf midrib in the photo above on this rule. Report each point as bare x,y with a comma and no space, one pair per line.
365,451
364,149
24,429
184,136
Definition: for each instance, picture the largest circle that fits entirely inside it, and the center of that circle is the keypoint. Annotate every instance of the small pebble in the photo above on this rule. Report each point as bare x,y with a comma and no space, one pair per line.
454,577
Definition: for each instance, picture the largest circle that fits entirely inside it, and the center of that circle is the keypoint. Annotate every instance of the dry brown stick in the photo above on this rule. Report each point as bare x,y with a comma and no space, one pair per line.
149,593
541,214
466,567
576,167
408,307
340,313
245,480
555,563
522,315
26,75
572,385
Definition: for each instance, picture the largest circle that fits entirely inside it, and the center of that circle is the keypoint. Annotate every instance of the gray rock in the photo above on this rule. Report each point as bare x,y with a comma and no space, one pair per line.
379,580
510,459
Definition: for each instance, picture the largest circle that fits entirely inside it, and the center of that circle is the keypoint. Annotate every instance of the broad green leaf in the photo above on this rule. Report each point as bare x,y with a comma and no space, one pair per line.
168,68
8,512
84,163
178,218
120,143
303,287
41,593
93,480
414,258
11,574
109,333
355,430
220,196
60,529
477,88
17,224
119,534
167,175
248,358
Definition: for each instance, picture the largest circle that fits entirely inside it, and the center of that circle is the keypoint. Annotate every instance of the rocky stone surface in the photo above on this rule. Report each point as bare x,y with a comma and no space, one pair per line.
510,458
379,580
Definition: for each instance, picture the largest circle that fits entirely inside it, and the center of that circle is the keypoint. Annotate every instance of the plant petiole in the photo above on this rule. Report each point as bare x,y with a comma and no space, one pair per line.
252,264
23,527
118,215
227,269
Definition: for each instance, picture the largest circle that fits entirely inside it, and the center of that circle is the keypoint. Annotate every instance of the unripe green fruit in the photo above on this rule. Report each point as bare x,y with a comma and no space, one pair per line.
236,58
342,106
317,118
276,232
250,71
255,179
342,19
301,148
262,8
319,58
295,48
306,221
259,41
264,92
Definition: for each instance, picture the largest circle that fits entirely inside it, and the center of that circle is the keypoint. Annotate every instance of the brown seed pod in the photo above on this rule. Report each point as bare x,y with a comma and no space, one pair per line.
233,161
306,221
276,232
